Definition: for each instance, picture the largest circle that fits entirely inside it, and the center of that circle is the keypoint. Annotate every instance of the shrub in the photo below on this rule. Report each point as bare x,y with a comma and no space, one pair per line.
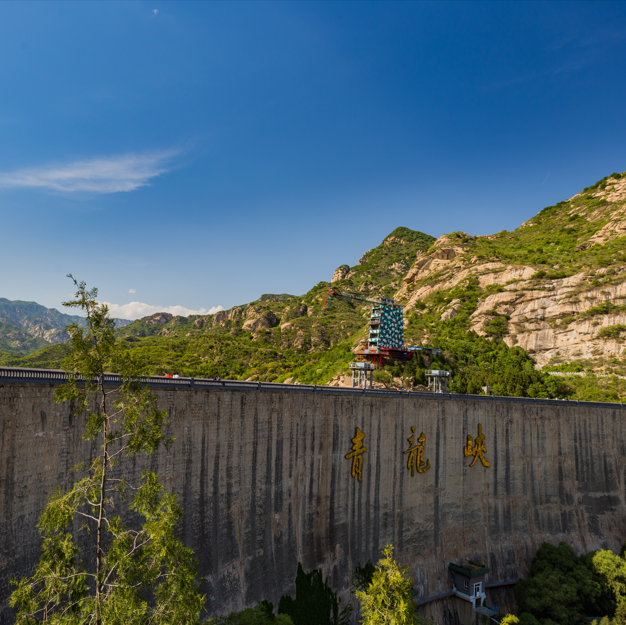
315,604
612,332
497,328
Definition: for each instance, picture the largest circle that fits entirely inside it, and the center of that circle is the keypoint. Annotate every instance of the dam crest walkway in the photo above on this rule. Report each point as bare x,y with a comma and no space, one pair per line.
17,375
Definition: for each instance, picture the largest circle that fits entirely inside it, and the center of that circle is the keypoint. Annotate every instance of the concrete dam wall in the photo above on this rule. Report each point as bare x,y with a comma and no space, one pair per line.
264,481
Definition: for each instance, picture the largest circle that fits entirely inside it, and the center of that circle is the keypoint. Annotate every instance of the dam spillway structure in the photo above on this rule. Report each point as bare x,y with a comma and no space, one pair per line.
269,475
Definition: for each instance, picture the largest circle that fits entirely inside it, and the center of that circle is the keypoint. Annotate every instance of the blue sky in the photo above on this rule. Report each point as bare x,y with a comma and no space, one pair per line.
197,155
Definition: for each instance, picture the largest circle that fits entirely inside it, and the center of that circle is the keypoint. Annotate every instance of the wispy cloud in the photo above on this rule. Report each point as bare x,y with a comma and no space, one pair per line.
125,172
132,291
136,310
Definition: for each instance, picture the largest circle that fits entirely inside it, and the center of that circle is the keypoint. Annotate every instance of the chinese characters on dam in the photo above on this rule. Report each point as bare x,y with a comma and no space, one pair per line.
478,448
474,447
416,454
357,453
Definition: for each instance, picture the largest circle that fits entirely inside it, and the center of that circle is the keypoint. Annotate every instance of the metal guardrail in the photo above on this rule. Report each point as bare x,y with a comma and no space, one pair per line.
54,376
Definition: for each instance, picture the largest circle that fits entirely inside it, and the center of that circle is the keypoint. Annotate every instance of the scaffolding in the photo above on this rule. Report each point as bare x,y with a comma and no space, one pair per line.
359,374
437,380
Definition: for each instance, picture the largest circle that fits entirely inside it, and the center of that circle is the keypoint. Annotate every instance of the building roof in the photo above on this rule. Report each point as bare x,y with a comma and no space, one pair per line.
469,570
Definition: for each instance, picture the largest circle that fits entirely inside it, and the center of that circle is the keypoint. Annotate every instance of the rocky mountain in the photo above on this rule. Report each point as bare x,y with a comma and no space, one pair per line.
272,338
556,285
26,327
549,295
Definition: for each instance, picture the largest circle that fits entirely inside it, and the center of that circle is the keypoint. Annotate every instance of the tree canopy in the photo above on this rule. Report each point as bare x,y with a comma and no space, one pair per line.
561,588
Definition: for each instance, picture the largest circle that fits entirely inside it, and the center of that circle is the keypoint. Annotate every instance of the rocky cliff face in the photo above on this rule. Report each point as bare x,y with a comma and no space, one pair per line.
567,303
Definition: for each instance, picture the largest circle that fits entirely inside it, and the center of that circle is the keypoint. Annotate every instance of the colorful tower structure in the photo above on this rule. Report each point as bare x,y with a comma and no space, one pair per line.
386,326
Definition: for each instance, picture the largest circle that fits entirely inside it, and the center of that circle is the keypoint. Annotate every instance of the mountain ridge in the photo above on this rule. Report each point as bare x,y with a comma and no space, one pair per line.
554,289
26,327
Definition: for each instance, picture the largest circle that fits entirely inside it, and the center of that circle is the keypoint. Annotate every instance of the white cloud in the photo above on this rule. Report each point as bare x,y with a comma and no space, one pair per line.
136,310
132,291
125,172
155,11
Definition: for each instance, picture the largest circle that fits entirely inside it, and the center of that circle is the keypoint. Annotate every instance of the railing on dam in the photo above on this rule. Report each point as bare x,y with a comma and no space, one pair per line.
54,376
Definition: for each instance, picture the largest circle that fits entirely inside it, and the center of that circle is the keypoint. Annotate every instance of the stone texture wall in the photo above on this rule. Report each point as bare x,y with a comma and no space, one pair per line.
264,483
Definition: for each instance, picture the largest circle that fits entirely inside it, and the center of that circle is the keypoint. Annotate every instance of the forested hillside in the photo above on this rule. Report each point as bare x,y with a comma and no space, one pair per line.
551,293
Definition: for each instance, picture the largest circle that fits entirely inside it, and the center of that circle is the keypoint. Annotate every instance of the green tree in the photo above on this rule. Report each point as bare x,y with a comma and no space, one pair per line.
561,588
122,576
387,600
612,568
315,603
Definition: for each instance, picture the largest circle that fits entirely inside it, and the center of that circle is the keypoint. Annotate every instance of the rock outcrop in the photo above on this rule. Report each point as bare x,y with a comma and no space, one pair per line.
550,324
158,319
225,317
340,273
259,320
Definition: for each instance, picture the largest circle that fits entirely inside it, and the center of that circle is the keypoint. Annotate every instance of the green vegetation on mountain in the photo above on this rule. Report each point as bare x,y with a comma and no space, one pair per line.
274,338
17,341
19,312
271,297
50,357
475,361
557,239
26,327
380,270
461,306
